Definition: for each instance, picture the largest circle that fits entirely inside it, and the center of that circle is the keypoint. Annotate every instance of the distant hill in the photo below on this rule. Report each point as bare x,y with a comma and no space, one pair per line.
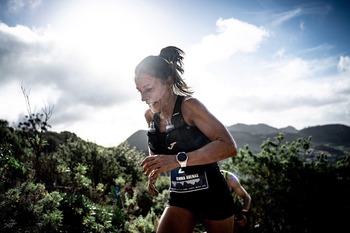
336,134
139,140
333,139
262,129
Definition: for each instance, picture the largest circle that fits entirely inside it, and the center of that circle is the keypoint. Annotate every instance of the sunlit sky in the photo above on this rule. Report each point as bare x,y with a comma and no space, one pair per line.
277,62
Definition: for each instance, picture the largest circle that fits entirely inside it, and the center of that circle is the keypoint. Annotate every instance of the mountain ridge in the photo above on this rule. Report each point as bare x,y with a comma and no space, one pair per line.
333,139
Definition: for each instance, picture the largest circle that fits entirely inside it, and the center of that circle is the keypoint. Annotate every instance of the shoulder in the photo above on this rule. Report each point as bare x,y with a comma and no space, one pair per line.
191,101
192,105
230,176
233,176
192,110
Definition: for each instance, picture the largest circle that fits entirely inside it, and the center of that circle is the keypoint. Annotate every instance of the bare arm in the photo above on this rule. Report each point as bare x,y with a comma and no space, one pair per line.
235,185
222,144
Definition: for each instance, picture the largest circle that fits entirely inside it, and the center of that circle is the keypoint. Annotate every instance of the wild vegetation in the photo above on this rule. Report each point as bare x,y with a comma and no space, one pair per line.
56,182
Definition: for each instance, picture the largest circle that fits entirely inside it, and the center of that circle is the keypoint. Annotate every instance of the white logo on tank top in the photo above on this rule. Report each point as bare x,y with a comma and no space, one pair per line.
171,145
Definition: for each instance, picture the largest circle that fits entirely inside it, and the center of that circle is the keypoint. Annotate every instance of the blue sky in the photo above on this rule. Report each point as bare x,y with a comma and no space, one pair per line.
278,62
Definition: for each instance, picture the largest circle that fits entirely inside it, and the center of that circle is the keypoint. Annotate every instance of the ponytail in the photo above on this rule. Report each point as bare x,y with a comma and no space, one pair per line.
174,56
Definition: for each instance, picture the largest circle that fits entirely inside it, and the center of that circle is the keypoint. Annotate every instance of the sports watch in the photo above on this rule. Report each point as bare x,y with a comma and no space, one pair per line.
182,158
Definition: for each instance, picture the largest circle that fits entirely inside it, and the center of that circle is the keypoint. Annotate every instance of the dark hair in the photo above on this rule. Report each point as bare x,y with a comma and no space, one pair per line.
167,63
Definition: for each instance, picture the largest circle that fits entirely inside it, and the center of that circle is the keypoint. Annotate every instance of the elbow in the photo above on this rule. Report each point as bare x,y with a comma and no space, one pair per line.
227,148
232,150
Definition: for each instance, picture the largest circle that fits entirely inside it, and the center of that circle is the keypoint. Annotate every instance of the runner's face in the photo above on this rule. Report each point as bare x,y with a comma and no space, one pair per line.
152,90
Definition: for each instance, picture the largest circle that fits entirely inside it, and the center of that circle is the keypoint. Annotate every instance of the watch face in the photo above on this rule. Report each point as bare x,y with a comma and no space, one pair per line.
182,156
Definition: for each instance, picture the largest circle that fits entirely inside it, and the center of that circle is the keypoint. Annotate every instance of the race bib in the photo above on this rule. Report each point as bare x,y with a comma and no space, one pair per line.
182,182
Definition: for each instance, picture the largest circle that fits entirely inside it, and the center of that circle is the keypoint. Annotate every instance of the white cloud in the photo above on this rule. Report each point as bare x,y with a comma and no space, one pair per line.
232,36
306,9
15,6
279,90
280,53
286,16
58,75
344,63
83,65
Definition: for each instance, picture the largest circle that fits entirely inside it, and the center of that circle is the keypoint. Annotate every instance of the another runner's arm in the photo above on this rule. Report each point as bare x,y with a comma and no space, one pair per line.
240,191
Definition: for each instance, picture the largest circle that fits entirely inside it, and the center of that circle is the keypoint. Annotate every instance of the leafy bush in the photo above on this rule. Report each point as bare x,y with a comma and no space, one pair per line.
52,182
30,208
291,192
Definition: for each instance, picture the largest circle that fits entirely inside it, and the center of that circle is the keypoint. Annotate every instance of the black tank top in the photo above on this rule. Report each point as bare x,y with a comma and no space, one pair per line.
182,137
201,189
